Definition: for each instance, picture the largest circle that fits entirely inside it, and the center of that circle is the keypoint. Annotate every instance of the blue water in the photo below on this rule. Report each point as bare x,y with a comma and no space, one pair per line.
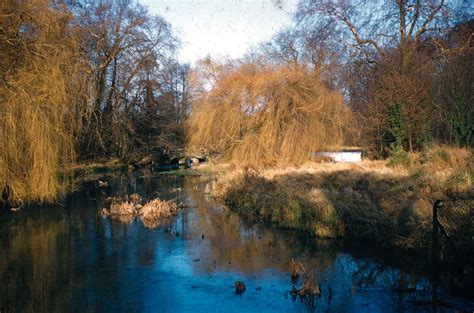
67,258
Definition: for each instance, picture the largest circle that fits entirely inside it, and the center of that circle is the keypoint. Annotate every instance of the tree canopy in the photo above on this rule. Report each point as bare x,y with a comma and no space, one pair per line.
261,115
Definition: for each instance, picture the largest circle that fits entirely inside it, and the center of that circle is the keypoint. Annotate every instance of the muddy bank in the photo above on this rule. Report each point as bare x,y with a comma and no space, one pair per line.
365,201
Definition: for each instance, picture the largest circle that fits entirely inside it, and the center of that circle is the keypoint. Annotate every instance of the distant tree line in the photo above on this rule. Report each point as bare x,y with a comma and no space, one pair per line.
135,93
405,67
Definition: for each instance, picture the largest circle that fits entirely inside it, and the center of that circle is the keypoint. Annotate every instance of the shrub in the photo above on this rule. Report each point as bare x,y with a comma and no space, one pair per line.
398,156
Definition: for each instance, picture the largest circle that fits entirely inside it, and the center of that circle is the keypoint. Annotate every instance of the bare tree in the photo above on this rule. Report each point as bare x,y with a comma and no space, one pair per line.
128,51
391,62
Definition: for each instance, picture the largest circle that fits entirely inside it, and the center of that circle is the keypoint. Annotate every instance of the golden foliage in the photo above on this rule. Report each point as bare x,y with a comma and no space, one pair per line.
258,115
37,91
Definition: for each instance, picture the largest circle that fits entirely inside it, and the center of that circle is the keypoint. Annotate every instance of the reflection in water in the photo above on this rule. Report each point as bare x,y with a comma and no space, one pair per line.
69,259
231,243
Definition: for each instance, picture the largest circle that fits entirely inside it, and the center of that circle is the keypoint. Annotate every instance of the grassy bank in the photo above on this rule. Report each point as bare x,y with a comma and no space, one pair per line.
372,200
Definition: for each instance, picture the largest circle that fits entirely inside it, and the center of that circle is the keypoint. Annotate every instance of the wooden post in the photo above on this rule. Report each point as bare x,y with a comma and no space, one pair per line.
435,253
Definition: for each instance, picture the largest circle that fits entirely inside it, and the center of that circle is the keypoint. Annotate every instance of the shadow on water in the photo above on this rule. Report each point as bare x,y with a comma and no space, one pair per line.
66,258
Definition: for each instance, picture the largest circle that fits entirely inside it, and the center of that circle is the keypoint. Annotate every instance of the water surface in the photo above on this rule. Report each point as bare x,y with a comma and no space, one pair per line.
66,258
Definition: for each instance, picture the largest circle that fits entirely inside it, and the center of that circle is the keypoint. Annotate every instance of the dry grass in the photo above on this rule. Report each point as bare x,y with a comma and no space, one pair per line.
445,167
365,200
260,116
124,208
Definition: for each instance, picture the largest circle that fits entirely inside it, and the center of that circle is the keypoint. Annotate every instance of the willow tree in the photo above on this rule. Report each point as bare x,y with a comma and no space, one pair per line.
262,115
38,70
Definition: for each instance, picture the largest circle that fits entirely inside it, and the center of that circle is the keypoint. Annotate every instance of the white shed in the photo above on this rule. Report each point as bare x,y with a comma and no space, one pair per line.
349,155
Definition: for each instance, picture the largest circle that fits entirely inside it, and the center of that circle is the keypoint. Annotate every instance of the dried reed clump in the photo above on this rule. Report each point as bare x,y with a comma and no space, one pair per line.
135,198
297,269
124,208
309,286
154,211
261,116
124,211
39,67
151,213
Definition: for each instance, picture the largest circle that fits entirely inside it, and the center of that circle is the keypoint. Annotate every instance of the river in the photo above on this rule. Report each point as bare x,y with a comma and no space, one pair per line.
67,258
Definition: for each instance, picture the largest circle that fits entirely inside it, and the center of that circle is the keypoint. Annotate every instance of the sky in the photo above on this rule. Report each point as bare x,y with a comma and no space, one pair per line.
222,29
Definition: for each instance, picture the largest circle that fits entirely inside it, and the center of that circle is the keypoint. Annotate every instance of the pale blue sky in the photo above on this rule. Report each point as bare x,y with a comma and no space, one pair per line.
226,28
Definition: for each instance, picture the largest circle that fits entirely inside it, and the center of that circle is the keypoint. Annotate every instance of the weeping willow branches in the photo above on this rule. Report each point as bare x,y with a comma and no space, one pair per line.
38,85
260,115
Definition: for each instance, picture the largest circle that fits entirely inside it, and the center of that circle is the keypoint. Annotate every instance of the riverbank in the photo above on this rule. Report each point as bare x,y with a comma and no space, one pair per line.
145,165
371,200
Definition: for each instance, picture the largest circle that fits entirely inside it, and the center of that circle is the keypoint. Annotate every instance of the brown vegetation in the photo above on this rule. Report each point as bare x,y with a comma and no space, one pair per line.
261,115
100,79
407,69
239,287
87,79
136,90
152,213
309,286
368,200
296,270
38,89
